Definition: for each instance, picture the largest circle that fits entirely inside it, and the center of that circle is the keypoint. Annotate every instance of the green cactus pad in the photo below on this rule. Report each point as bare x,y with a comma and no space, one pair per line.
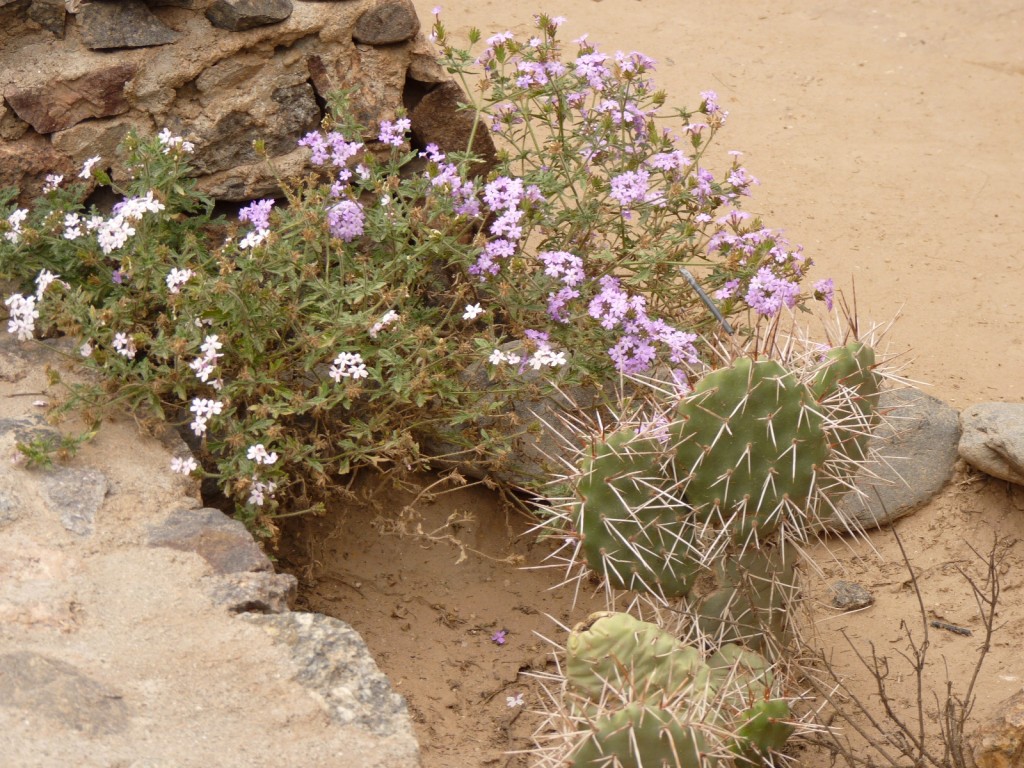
640,736
634,658
749,441
751,606
734,668
635,530
764,729
848,386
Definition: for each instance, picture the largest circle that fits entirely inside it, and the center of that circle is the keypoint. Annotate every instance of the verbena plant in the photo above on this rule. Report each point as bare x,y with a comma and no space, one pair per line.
331,328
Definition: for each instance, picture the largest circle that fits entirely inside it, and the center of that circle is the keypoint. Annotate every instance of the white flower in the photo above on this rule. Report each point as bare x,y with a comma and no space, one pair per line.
472,312
43,280
254,238
514,701
23,314
546,356
199,425
206,408
259,454
133,208
72,226
15,220
53,181
174,142
389,317
87,167
125,345
184,466
260,490
498,357
211,344
177,278
85,350
348,364
114,233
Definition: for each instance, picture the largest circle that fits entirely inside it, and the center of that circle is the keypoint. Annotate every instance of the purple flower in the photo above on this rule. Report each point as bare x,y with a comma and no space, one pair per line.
727,290
487,261
498,638
590,66
503,193
257,213
767,292
507,225
345,220
629,187
558,301
562,265
824,290
117,276
710,99
393,132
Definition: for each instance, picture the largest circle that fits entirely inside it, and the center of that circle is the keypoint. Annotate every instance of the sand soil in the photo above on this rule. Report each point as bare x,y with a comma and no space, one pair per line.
887,141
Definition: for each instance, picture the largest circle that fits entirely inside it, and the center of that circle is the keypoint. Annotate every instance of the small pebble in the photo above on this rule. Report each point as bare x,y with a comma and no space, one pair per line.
849,596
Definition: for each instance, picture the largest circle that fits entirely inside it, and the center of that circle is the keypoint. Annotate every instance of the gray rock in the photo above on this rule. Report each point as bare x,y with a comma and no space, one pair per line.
49,14
919,443
255,592
333,662
76,495
239,15
62,102
541,446
850,596
42,686
993,439
10,507
391,21
124,24
223,542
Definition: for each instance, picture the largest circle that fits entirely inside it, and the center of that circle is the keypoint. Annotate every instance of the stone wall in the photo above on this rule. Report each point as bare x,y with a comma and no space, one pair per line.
76,76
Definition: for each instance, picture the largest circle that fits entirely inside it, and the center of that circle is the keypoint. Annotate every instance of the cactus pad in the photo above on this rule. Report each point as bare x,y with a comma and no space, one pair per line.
641,736
749,441
618,652
635,529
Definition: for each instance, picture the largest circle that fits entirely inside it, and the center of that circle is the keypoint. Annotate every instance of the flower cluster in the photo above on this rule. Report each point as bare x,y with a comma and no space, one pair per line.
204,409
258,214
562,264
204,365
348,365
177,278
389,317
113,233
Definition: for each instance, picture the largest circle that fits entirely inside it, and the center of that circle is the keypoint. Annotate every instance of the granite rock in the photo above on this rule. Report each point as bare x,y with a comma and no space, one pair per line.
918,442
223,542
993,439
124,24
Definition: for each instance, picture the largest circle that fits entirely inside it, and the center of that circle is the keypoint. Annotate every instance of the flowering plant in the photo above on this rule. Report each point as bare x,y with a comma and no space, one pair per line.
333,328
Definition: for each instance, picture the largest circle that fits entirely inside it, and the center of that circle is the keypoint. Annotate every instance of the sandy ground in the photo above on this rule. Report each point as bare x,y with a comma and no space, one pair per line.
887,141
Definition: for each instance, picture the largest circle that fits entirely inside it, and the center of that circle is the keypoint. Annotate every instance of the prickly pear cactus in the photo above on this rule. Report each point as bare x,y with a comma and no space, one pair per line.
752,603
642,736
750,443
764,728
614,651
635,529
637,696
848,387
